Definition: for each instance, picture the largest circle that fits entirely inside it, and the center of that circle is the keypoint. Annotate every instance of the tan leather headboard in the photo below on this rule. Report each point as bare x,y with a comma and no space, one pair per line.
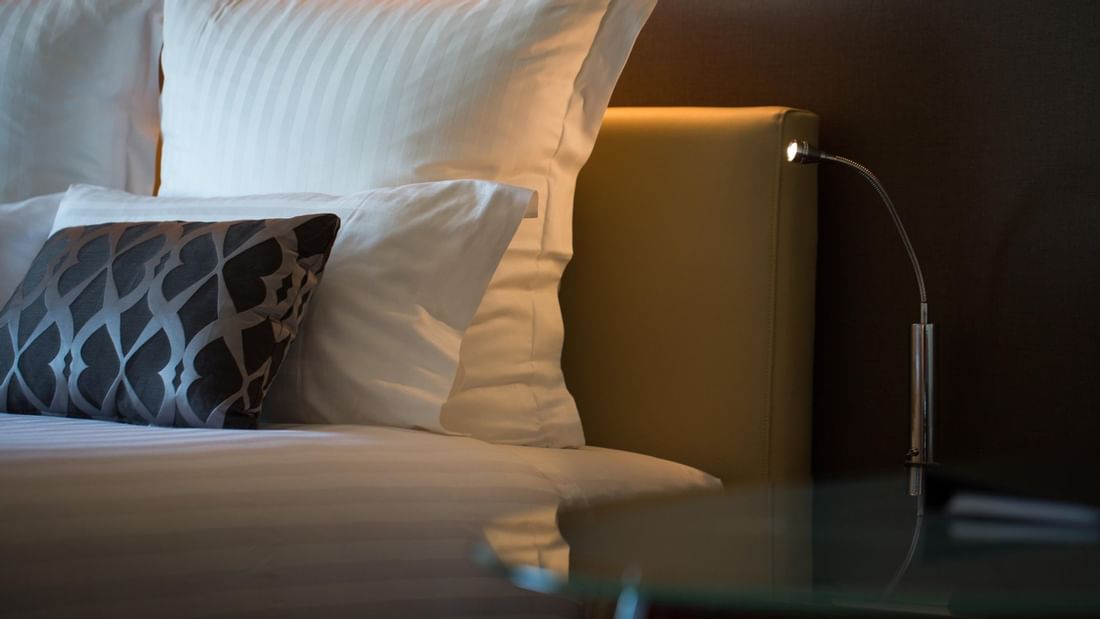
689,301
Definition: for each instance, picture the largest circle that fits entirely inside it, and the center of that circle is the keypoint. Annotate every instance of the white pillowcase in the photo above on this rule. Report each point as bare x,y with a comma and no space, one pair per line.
338,96
380,340
24,227
79,87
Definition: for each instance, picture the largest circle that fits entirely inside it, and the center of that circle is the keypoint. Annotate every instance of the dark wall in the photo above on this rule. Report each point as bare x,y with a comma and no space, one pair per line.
982,118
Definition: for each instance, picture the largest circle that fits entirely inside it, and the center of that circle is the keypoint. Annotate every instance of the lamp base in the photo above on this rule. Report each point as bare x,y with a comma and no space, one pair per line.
921,369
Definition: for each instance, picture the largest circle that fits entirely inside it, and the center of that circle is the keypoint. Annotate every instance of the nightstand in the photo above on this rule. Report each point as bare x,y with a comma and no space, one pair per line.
831,548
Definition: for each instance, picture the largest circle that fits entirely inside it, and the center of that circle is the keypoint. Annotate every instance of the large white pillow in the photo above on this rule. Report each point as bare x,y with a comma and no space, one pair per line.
78,95
338,96
380,341
24,227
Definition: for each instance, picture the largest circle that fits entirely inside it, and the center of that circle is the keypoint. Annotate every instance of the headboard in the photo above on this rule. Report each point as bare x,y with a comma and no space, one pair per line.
689,302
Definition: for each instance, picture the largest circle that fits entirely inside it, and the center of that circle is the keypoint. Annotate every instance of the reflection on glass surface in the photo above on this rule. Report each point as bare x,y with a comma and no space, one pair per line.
857,545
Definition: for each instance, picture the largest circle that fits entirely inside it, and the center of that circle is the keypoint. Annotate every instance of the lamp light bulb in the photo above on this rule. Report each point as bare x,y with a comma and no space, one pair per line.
802,152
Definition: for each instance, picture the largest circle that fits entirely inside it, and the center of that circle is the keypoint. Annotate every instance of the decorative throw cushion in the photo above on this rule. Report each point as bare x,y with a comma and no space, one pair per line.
172,323
405,277
79,95
340,96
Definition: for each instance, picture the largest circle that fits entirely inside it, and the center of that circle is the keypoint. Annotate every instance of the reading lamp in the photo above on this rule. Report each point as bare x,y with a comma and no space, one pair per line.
921,338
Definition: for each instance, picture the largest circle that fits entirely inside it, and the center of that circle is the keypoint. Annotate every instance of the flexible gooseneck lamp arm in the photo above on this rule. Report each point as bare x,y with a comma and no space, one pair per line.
921,334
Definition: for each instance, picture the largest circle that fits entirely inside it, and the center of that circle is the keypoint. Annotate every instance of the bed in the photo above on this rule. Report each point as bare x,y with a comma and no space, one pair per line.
115,520
688,330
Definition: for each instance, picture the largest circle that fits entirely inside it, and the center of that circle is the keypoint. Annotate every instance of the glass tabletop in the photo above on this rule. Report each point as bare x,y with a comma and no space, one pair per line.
842,546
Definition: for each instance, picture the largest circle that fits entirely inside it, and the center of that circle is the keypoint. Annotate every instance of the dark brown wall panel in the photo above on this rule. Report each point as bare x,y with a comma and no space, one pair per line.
982,118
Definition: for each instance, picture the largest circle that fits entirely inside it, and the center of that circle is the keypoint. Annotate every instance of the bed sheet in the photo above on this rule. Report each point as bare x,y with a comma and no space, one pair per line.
104,519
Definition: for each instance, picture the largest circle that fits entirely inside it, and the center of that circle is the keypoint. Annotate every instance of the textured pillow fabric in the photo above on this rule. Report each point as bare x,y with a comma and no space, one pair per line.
79,89
24,227
381,340
169,323
340,96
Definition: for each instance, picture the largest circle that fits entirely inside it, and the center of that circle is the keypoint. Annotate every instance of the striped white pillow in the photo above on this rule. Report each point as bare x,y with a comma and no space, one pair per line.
78,95
268,96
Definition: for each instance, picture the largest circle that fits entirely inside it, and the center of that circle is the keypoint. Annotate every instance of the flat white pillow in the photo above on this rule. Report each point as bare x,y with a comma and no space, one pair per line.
380,340
79,86
24,227
338,96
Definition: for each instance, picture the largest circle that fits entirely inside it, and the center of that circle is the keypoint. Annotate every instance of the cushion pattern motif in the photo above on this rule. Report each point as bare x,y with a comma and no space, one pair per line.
161,323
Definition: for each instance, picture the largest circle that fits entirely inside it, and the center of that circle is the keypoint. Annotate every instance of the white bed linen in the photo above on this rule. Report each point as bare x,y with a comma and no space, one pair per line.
103,519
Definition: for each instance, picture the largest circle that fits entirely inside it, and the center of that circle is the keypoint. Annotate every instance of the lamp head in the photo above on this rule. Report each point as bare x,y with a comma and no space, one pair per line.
802,152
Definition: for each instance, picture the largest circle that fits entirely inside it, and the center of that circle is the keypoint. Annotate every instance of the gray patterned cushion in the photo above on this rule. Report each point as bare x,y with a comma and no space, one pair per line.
168,323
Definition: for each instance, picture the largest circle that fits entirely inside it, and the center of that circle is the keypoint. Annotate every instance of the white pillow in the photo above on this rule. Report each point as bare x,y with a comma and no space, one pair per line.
79,82
380,341
338,96
24,227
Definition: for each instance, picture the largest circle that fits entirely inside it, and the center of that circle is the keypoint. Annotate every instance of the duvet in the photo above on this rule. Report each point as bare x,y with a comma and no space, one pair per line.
103,519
